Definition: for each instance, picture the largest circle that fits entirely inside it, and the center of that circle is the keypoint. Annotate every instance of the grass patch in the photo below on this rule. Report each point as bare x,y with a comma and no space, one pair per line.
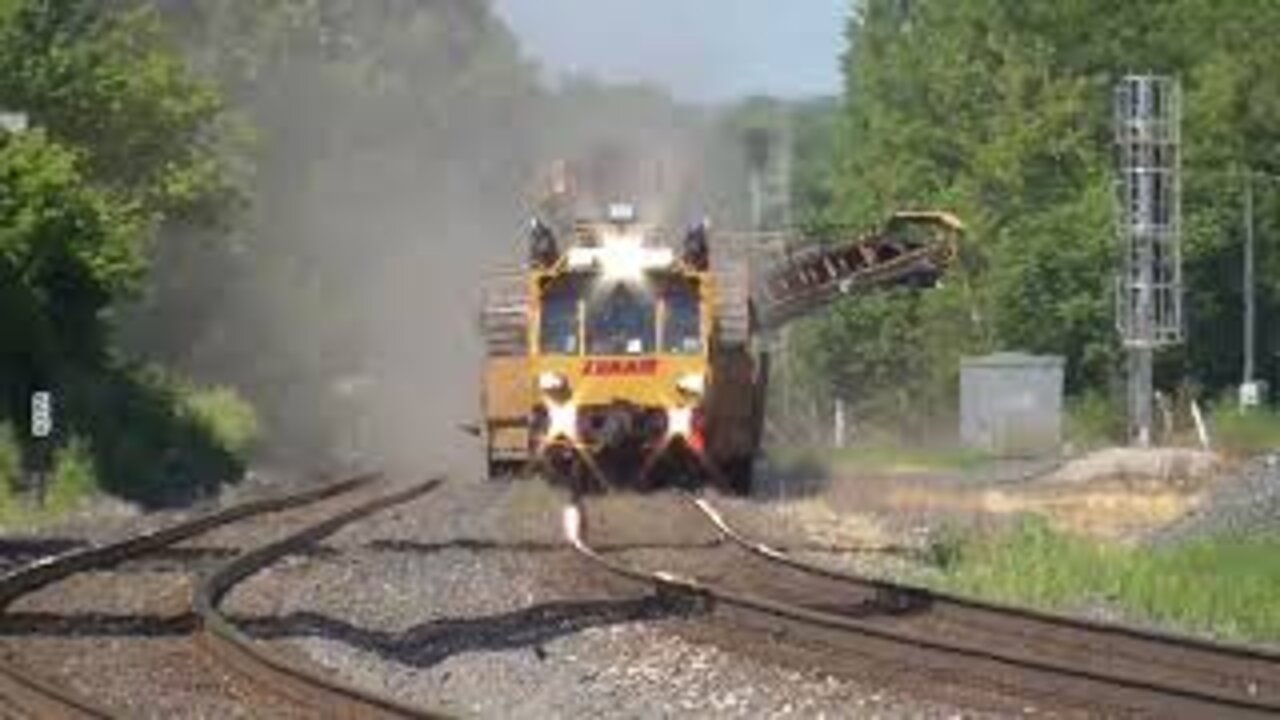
127,430
10,470
1094,420
74,478
1226,586
899,458
230,422
885,458
1245,434
133,432
157,439
72,481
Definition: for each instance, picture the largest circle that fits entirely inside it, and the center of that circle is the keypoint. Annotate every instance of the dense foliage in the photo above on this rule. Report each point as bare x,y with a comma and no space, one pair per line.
298,198
1000,111
124,141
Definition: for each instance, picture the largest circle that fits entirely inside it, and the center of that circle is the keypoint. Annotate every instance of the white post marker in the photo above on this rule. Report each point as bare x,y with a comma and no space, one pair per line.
41,429
572,521
1201,429
41,414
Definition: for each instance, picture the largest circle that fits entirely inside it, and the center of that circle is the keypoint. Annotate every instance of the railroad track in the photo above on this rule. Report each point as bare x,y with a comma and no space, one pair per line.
325,695
24,694
1088,667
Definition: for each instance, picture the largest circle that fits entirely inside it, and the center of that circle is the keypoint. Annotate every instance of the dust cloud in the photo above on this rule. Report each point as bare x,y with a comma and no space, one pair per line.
397,163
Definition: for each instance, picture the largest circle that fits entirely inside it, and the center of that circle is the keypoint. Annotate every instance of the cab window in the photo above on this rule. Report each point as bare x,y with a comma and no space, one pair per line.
621,320
682,324
558,330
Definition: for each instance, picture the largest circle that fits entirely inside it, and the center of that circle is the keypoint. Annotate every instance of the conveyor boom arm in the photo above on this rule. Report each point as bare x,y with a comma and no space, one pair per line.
913,248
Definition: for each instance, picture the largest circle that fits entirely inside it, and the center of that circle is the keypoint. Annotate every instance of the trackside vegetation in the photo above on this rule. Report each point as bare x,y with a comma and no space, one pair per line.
885,456
1223,586
160,251
123,142
1245,434
1001,112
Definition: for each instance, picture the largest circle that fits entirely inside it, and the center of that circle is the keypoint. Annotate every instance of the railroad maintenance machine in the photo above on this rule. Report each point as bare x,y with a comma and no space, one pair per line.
621,356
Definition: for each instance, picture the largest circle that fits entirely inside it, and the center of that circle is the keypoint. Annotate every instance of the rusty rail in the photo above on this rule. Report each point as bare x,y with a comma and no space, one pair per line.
42,697
328,696
1022,665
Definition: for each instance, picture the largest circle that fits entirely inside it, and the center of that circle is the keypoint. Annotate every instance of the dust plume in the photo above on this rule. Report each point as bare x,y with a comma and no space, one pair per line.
400,145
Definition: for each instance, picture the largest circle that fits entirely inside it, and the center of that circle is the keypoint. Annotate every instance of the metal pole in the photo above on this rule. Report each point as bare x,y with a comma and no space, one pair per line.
838,431
1250,324
784,349
1140,389
756,189
1141,357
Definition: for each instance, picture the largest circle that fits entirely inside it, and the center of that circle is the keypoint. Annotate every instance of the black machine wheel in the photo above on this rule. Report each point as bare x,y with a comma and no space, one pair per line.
504,470
737,474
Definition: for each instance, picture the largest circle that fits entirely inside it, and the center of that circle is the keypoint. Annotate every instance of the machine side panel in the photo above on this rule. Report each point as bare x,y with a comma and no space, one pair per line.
732,406
508,400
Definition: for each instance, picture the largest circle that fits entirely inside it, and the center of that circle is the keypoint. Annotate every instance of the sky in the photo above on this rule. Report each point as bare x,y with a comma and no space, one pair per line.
703,50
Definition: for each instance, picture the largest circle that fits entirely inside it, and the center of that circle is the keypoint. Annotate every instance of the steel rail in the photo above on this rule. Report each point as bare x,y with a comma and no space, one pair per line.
1085,685
938,597
43,697
241,653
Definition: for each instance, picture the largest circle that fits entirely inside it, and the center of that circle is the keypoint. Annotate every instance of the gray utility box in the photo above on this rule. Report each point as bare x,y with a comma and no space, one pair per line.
1011,404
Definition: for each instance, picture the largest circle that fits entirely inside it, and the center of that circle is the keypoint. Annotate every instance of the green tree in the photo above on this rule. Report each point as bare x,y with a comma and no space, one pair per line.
67,249
126,141
112,84
1001,112
126,144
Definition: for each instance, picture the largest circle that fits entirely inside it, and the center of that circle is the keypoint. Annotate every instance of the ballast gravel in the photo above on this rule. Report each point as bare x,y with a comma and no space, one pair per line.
468,602
1247,503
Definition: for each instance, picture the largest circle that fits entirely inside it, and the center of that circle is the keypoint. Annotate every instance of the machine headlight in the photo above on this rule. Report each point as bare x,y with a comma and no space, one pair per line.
562,421
680,422
694,384
552,382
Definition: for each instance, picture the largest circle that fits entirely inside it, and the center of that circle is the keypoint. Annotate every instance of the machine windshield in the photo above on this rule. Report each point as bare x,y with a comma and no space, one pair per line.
558,333
682,324
621,320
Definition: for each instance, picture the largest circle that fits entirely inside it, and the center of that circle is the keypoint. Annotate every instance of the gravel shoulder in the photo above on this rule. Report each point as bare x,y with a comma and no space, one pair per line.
1247,503
468,602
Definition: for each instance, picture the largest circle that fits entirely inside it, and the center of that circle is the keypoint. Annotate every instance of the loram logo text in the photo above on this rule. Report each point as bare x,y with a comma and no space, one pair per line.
600,368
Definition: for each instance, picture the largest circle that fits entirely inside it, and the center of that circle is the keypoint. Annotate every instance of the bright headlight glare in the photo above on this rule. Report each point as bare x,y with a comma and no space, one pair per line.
552,382
680,422
562,421
693,384
622,256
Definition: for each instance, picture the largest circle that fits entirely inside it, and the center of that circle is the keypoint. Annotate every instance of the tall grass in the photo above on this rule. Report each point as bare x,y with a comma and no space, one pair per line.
74,479
1226,586
71,482
1093,420
10,469
230,421
1247,433
895,456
